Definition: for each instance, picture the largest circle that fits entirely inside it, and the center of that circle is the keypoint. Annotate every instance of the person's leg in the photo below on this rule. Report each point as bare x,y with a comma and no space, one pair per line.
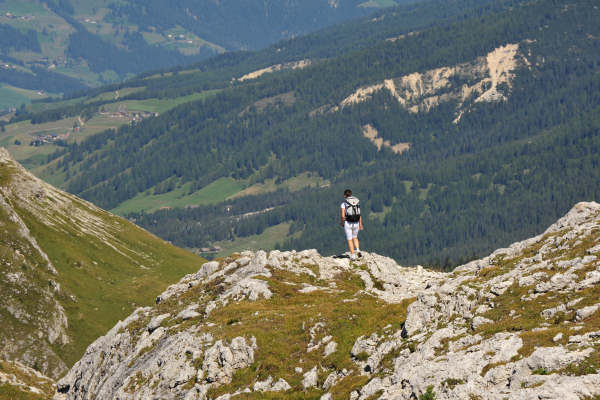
348,231
355,229
351,246
354,239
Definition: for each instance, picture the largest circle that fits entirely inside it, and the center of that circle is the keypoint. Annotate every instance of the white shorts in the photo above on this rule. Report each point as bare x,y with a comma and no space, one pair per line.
351,229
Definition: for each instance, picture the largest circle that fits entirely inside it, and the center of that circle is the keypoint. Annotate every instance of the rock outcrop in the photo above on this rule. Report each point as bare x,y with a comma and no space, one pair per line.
521,323
273,68
24,381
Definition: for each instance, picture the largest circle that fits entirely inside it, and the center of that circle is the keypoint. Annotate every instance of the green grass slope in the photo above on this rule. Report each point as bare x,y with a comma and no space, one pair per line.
70,270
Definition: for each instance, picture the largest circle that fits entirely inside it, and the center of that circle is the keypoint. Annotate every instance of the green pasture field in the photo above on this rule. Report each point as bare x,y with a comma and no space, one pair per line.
20,8
215,192
32,157
81,72
158,105
306,179
37,107
378,3
25,131
10,98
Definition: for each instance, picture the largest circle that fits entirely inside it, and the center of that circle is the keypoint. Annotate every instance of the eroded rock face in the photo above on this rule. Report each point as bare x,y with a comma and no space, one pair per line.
280,322
485,79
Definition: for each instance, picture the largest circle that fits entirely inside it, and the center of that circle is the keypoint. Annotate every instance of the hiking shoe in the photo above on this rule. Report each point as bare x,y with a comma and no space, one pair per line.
353,256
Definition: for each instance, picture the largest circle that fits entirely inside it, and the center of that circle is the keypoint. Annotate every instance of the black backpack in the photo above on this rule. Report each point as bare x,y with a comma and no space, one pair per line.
352,209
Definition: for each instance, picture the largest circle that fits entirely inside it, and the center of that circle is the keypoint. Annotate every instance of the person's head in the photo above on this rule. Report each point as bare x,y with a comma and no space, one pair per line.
347,193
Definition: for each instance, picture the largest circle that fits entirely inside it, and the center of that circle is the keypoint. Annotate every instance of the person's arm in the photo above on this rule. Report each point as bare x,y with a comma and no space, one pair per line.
342,216
361,225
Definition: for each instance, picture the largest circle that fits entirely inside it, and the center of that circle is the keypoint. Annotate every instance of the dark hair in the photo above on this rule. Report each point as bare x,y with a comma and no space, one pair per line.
347,193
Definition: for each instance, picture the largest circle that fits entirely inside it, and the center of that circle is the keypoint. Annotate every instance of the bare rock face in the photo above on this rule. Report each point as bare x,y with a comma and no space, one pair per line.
521,323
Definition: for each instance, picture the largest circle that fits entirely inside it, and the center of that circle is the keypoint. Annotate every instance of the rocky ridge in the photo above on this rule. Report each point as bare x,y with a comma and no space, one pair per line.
521,323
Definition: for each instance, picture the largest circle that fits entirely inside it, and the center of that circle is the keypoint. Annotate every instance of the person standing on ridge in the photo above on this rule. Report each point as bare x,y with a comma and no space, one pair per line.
351,220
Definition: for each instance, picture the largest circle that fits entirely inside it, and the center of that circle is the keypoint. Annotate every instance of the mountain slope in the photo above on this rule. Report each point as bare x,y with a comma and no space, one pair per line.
63,46
70,270
496,119
521,323
54,123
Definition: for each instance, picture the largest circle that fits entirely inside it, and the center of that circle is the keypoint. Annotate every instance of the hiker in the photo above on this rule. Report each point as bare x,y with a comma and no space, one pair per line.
351,220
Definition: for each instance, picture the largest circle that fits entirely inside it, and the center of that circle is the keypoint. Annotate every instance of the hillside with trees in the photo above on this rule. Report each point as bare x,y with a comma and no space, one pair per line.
495,105
62,46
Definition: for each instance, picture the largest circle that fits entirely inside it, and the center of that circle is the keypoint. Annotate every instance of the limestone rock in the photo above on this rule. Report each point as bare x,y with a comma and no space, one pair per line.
441,342
263,386
586,312
420,313
280,386
334,377
250,288
478,321
207,269
221,360
156,321
330,348
558,337
553,358
501,287
189,313
310,378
